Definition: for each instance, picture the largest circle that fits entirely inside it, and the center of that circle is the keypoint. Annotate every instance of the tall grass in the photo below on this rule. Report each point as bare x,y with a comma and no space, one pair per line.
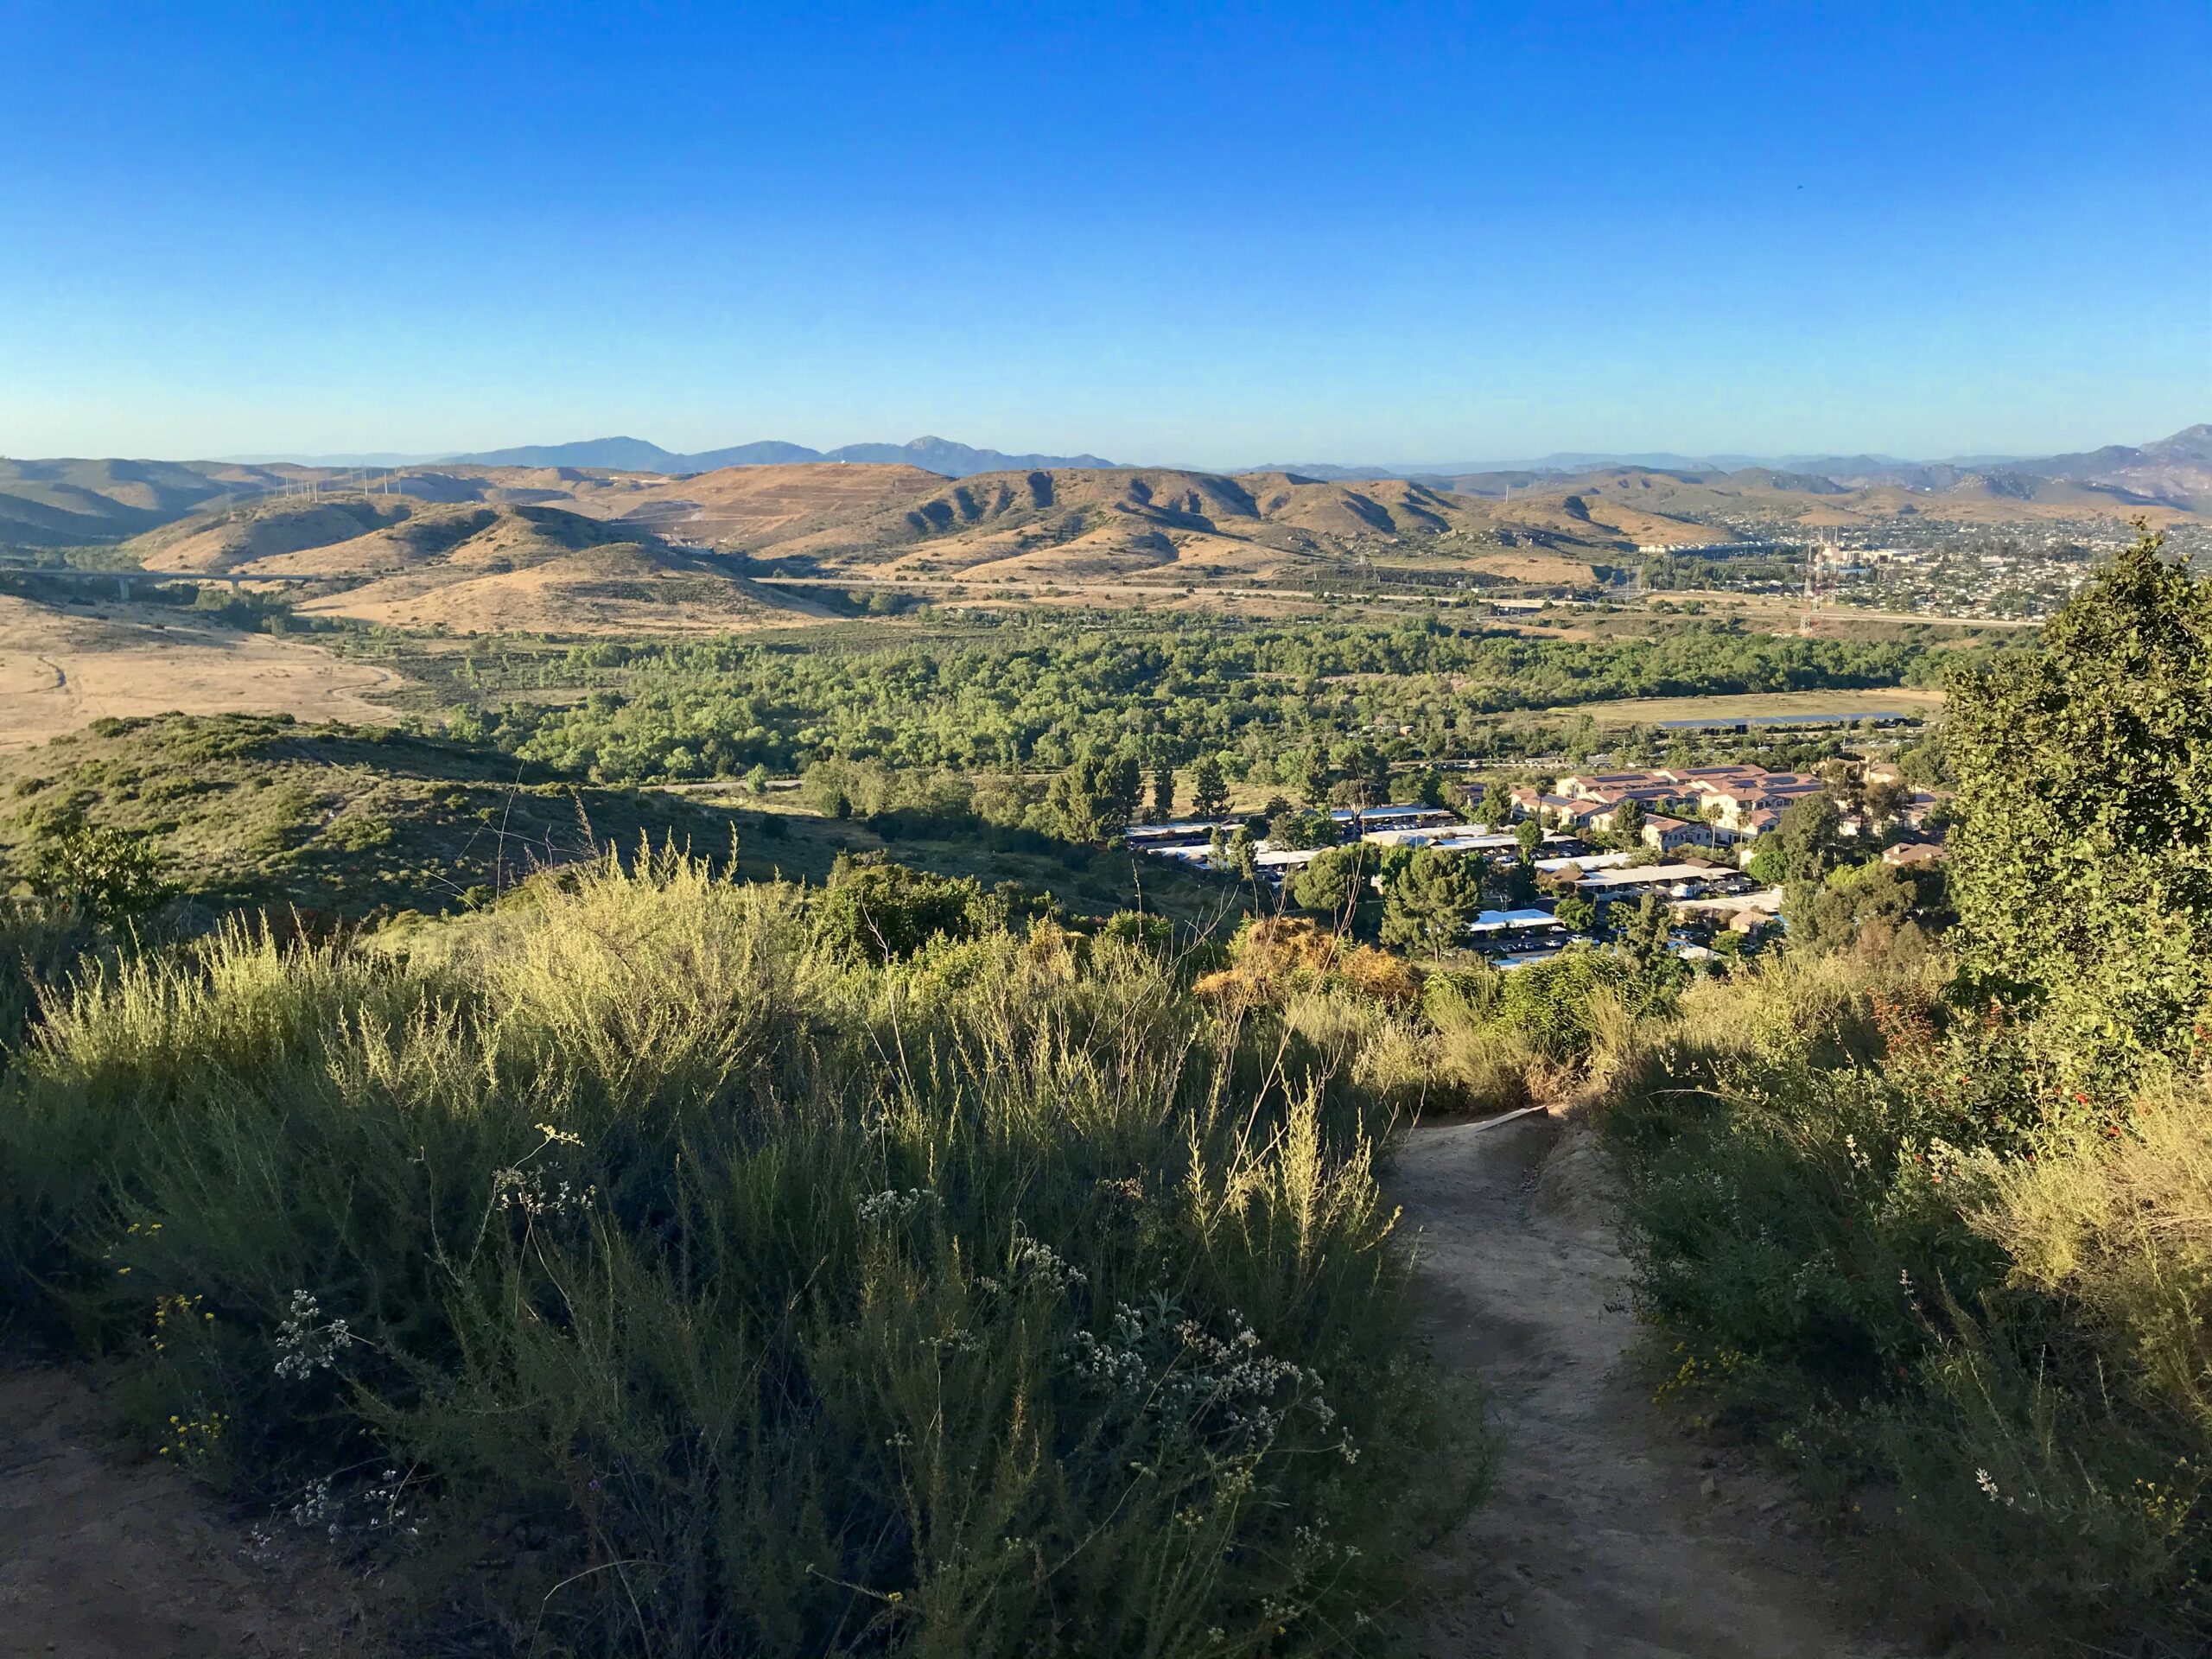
1966,1300
642,1277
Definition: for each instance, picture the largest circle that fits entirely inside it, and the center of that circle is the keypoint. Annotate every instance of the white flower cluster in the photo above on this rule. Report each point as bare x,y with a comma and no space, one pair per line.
892,1205
1224,1388
380,1502
305,1344
1035,1264
534,1193
384,1499
316,1507
1119,1365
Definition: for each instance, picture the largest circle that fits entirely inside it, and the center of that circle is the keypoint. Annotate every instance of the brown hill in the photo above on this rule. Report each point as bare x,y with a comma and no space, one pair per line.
227,539
1033,525
1645,506
469,567
1053,523
752,505
617,587
70,502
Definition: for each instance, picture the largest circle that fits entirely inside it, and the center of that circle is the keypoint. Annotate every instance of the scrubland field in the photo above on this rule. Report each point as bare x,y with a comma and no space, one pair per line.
652,1147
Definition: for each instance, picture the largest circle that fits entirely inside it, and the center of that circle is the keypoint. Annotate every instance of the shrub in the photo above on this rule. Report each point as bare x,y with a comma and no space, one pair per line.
1948,1287
110,873
776,1300
1551,1003
875,909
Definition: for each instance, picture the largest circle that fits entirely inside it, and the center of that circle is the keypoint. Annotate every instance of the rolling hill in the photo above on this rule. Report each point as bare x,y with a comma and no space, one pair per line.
935,508
1054,523
73,503
1075,524
469,567
331,820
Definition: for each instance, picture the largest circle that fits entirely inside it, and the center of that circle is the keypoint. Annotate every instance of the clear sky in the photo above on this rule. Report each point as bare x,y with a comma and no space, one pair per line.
1219,234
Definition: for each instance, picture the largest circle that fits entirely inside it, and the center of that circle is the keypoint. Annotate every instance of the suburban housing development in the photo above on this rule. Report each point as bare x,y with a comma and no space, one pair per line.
1686,834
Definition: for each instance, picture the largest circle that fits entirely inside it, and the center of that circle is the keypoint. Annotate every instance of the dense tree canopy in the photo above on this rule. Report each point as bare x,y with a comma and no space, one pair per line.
1031,694
2081,855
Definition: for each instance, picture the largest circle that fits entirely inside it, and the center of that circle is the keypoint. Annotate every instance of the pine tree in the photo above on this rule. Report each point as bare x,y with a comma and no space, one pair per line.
1096,796
1212,788
1428,906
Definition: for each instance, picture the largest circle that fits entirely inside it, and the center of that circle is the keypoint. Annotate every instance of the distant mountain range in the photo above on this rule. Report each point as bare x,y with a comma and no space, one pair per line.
2190,447
2175,469
636,455
65,502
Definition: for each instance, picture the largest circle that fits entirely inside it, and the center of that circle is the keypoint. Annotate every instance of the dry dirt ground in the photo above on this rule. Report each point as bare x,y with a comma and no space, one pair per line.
1608,1534
61,668
103,1557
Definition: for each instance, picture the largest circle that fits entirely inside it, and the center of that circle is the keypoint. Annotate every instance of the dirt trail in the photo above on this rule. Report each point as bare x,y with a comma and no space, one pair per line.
59,668
1608,1535
103,1558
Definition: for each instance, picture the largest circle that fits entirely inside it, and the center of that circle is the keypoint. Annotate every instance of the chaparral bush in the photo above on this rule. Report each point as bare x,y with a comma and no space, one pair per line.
646,1270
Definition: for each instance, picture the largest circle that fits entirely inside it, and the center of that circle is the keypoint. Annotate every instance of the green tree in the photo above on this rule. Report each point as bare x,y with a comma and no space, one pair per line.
1769,864
1430,904
878,910
1627,822
1356,766
1302,831
1926,764
1495,811
1642,934
1332,882
1811,832
1529,835
1096,797
2081,861
1829,916
1210,788
1244,855
1885,798
1390,863
1314,776
1163,791
1577,913
828,787
1514,881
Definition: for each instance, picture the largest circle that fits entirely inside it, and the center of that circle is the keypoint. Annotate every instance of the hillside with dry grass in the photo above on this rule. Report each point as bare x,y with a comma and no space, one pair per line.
67,503
586,549
469,567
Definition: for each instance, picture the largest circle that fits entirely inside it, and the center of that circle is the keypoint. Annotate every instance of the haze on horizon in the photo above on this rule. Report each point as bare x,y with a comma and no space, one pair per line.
1293,234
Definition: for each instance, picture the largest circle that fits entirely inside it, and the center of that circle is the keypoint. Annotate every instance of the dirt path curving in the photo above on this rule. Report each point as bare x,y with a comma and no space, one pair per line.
59,668
1608,1535
103,1556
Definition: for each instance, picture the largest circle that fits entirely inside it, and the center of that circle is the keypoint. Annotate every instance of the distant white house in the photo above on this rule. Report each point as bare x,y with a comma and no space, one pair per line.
1492,922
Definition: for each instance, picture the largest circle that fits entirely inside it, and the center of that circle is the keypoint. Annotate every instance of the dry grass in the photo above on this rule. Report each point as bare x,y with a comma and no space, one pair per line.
1920,701
63,667
697,1289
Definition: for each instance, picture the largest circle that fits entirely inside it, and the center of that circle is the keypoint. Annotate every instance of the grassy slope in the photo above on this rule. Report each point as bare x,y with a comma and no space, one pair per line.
705,1292
351,820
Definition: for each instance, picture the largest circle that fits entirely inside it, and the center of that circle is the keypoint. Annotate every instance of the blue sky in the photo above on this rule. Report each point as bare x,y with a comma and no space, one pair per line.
1213,233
